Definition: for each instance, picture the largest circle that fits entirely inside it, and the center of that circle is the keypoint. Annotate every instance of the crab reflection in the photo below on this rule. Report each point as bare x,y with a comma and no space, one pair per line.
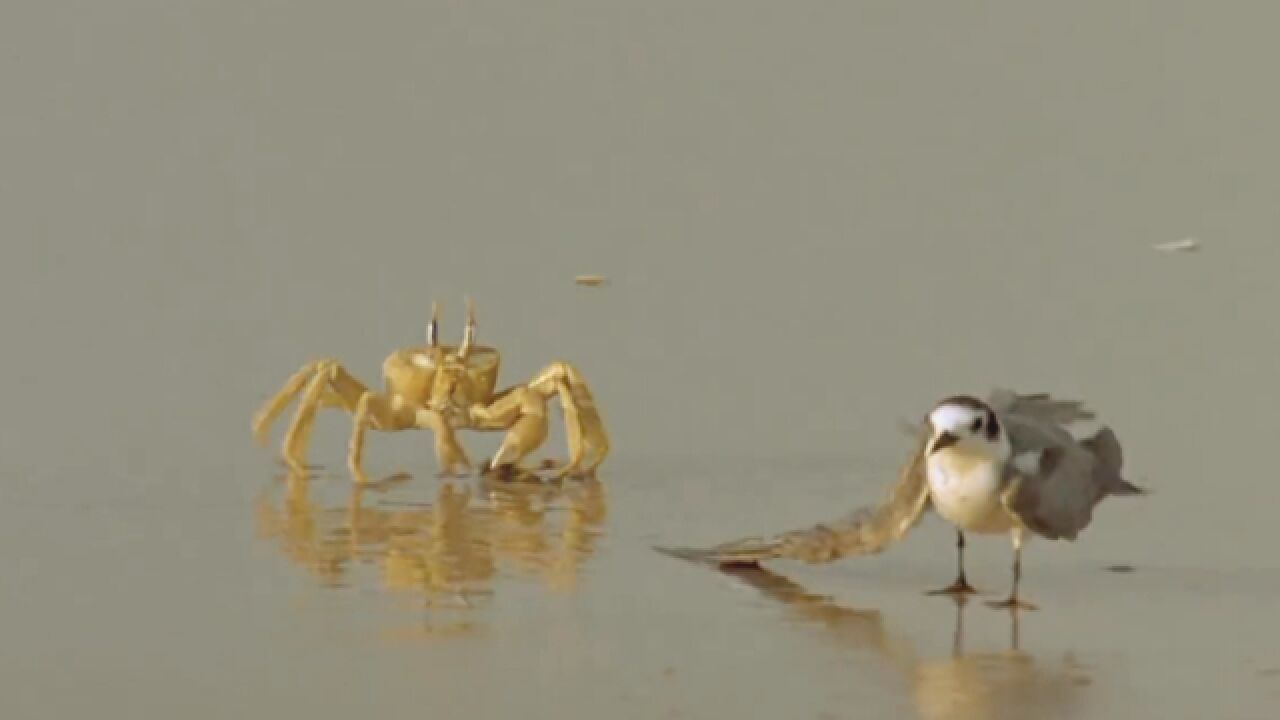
448,551
962,686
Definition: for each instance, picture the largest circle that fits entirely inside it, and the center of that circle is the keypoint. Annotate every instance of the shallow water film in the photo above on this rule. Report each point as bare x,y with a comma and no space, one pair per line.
768,235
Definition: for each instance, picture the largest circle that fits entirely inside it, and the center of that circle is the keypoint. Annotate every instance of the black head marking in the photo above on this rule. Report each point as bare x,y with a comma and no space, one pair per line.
993,425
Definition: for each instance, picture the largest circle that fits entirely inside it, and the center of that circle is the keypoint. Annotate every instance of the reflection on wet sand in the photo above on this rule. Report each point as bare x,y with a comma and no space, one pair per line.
962,686
447,551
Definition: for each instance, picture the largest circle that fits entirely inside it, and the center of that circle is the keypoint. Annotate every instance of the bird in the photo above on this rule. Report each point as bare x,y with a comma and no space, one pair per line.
1008,463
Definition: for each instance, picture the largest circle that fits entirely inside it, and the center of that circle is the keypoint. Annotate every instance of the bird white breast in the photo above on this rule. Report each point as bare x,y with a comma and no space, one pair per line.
965,489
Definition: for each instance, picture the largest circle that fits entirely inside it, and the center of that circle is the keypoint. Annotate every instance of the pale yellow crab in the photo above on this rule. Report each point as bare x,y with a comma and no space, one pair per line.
443,388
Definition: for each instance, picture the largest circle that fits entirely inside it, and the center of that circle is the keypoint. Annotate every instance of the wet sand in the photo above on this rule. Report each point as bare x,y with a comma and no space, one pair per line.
814,221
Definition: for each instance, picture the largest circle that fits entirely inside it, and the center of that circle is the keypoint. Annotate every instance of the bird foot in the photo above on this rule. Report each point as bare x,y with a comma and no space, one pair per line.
959,587
1012,603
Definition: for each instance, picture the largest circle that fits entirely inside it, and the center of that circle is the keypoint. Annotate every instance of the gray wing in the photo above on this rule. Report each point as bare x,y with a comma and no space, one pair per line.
1040,406
1037,421
866,531
1056,481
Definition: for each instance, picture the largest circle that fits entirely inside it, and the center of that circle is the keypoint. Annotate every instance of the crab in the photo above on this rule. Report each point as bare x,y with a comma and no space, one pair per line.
444,389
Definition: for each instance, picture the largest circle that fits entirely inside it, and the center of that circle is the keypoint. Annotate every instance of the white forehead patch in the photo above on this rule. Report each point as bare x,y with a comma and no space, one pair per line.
954,417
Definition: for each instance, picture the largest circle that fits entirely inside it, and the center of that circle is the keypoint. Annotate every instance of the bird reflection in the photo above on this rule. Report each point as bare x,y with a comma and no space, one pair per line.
448,551
962,686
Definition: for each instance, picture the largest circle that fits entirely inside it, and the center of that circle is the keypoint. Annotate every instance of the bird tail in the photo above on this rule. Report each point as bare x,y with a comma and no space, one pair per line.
1127,488
1110,457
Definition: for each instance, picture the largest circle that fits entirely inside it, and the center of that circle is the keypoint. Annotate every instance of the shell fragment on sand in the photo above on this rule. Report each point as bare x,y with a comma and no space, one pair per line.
1184,245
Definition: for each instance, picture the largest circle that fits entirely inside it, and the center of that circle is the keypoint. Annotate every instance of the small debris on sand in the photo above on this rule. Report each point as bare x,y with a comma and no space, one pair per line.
1120,568
590,280
1184,245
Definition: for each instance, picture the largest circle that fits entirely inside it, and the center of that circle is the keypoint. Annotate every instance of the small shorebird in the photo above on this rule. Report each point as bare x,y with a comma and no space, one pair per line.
1007,464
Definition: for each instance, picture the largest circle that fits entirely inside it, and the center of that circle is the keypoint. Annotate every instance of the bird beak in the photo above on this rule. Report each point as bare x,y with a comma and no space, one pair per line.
944,440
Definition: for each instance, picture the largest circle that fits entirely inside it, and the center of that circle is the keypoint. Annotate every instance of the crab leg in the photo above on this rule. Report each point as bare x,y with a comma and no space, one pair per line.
372,410
584,430
449,453
263,419
298,436
330,385
329,397
522,411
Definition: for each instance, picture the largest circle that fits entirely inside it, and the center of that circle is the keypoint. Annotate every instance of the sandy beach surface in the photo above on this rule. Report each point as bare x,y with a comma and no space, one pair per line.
815,220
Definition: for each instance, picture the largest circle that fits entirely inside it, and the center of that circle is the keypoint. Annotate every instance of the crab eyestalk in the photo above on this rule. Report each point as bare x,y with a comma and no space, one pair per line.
469,334
433,327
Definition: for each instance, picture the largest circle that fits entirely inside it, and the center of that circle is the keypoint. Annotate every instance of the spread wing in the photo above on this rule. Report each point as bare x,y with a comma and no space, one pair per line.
1055,480
865,531
1039,405
1037,421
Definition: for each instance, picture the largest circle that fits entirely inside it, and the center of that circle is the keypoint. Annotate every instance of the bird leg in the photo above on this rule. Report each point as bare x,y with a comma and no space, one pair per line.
1012,602
961,585
957,636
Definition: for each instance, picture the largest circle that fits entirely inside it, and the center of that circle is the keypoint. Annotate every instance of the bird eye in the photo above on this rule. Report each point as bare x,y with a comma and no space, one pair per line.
977,425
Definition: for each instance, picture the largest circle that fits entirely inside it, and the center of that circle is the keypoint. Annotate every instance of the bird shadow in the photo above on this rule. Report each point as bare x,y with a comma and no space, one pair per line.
963,684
